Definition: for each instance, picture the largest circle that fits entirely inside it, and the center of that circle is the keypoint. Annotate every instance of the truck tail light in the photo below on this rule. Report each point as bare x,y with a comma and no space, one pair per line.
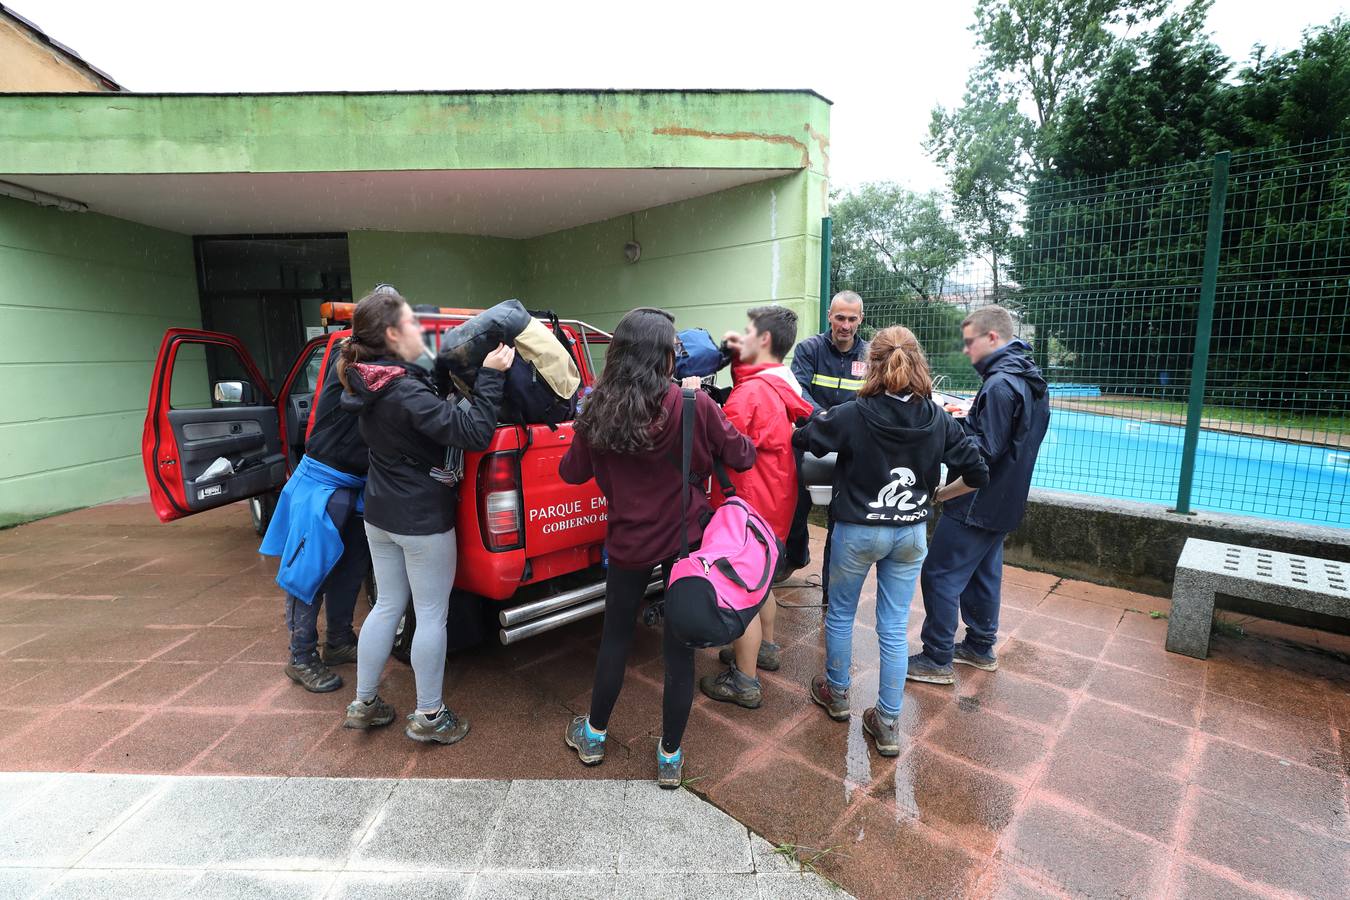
500,513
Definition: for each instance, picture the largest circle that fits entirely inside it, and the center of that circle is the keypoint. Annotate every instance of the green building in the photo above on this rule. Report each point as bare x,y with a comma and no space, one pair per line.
122,215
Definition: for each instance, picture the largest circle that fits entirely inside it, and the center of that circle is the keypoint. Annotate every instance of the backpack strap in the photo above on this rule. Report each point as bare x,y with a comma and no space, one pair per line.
687,415
723,479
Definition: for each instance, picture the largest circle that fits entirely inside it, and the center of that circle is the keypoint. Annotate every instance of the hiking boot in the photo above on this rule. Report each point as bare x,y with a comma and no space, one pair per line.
375,714
443,728
835,703
669,769
921,668
967,655
886,736
314,676
339,656
731,686
770,657
581,738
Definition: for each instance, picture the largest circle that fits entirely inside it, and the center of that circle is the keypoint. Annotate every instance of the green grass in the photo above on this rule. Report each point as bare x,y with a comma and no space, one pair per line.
1234,414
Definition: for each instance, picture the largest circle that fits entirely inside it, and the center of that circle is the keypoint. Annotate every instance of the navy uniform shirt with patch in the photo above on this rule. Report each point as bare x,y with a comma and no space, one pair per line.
828,377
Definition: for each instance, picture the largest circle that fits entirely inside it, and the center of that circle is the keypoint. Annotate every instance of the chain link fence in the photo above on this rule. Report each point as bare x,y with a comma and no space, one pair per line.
1192,323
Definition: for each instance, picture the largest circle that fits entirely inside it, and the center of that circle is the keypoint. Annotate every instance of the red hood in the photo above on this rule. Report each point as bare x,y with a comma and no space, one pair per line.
780,378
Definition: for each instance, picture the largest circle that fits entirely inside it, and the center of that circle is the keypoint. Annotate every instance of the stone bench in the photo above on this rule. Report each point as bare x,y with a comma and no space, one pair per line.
1207,568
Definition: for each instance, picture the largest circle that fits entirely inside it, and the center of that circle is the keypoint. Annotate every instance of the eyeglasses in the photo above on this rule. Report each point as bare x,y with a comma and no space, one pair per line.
384,288
971,340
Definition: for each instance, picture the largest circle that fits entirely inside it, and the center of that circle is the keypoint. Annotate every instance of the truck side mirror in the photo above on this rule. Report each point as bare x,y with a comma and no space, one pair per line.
232,393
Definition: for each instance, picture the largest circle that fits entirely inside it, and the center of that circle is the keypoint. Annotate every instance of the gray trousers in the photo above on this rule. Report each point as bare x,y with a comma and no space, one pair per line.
420,567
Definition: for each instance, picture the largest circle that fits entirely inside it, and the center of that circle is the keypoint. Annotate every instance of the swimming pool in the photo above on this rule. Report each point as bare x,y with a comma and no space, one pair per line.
1133,460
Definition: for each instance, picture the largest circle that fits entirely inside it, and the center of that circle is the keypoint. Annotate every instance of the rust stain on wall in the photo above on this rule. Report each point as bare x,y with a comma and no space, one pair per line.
824,143
678,131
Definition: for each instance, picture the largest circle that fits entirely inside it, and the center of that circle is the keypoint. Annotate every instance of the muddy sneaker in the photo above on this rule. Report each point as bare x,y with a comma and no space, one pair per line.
836,704
886,736
669,769
921,668
966,655
443,728
732,686
589,743
770,657
314,676
375,714
339,656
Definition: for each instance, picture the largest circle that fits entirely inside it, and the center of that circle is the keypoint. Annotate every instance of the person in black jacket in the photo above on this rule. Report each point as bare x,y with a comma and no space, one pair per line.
964,572
411,499
336,443
830,367
891,442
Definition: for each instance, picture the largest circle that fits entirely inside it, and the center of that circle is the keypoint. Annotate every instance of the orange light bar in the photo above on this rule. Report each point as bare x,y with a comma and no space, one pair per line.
342,312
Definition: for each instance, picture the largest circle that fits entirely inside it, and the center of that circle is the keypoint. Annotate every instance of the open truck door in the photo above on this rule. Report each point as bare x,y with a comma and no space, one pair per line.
191,425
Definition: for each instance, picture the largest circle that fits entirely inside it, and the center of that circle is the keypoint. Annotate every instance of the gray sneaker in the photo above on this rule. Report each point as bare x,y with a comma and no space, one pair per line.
726,687
770,657
314,676
886,736
836,704
339,656
590,751
966,655
374,714
921,668
444,728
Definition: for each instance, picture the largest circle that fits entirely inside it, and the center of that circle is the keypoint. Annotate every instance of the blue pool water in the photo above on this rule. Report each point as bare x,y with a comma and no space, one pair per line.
1115,457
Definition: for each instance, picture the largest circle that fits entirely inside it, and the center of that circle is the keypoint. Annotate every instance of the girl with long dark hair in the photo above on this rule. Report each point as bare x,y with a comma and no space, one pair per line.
628,438
410,503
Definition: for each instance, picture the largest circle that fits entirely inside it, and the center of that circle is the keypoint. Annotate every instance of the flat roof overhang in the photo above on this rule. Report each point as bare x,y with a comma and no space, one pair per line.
503,163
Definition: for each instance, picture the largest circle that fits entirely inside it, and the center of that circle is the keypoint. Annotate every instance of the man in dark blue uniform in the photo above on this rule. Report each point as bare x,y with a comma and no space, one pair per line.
963,574
831,367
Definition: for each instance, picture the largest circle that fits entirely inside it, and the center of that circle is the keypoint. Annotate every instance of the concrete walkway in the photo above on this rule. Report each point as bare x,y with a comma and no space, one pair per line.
145,837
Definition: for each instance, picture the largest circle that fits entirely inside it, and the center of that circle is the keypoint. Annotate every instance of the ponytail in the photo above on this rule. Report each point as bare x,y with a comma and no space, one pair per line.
376,312
897,365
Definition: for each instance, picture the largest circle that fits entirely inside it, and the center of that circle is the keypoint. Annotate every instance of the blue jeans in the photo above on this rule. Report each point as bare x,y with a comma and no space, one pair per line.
963,575
898,553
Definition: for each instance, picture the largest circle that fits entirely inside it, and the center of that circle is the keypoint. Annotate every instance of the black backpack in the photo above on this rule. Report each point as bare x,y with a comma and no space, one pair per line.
528,400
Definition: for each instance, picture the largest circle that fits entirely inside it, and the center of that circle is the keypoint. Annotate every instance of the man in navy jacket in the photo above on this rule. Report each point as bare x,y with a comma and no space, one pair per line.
963,573
830,367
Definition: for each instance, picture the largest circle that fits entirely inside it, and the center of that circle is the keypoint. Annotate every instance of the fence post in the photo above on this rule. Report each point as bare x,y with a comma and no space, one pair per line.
826,232
1218,197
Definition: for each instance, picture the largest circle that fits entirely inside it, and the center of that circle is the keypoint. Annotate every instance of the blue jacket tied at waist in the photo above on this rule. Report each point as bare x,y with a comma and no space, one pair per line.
303,533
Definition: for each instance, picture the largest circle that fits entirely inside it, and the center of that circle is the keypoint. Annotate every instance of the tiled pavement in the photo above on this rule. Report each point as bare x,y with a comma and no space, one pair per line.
1093,763
148,837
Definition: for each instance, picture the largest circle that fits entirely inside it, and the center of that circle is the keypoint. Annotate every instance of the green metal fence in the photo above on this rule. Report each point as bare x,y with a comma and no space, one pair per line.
1192,323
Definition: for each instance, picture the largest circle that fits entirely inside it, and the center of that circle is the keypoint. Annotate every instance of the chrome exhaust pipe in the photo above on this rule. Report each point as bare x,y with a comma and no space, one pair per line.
550,622
525,612
555,612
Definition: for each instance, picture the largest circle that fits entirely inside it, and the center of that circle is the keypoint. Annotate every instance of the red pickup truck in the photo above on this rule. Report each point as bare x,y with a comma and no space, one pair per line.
530,545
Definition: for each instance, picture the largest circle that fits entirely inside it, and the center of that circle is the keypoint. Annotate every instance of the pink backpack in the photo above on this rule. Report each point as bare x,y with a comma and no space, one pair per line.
716,590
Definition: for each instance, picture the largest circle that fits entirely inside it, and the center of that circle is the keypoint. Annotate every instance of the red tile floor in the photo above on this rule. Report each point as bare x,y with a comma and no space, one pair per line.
1093,763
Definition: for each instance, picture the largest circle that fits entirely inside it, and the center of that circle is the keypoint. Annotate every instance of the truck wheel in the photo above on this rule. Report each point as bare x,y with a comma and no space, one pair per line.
260,509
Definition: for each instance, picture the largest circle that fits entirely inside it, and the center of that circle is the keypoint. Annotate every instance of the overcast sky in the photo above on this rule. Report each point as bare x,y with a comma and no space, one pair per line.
884,64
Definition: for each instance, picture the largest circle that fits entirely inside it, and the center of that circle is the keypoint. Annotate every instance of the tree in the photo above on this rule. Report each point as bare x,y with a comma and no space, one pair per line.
1041,51
882,229
1302,95
1158,99
980,146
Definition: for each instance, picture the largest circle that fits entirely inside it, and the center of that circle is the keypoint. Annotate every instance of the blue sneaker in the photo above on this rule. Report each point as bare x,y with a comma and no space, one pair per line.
921,668
589,743
967,655
669,769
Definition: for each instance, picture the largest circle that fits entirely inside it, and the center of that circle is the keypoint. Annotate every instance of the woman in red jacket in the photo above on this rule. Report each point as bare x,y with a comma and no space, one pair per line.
627,439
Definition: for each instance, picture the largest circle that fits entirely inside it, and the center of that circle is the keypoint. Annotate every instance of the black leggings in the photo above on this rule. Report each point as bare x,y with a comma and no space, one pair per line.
624,591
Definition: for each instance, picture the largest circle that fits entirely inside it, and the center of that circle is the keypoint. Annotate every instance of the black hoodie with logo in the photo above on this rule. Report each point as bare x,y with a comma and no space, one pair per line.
1008,420
407,426
889,454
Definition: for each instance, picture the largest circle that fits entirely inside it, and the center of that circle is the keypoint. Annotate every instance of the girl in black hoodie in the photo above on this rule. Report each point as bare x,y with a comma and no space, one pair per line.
410,501
890,441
